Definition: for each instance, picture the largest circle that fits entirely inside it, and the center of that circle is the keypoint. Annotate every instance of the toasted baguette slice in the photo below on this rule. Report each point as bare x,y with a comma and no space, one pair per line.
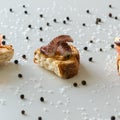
64,67
118,64
6,53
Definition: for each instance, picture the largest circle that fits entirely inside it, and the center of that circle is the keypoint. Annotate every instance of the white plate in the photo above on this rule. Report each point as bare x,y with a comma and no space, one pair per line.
99,99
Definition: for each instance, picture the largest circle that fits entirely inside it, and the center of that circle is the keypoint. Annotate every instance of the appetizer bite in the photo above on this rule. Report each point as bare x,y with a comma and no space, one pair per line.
117,47
6,51
59,57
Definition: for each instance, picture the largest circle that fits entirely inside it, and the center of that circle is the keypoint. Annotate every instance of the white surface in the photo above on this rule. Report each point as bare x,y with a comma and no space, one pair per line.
99,100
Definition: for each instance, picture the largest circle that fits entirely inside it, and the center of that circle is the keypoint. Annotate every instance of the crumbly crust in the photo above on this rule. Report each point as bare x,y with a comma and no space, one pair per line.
64,67
6,53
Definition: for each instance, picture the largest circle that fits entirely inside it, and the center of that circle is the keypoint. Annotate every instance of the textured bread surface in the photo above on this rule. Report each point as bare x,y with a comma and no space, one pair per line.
6,53
64,67
118,63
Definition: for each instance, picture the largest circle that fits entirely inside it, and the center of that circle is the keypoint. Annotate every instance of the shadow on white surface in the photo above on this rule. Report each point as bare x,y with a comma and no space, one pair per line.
7,72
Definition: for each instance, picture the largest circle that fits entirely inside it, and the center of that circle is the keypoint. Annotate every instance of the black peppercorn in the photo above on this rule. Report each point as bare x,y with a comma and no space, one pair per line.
3,42
91,41
40,118
96,22
41,99
113,118
101,49
54,20
83,82
23,112
112,45
90,59
116,17
98,19
48,24
64,22
75,84
67,18
41,28
85,48
83,24
25,12
29,26
10,10
4,37
22,96
41,39
110,14
16,61
20,75
110,6
24,56
27,37
87,11
24,6
41,15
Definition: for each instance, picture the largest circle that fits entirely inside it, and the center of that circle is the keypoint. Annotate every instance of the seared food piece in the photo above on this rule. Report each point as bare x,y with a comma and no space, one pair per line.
6,52
59,56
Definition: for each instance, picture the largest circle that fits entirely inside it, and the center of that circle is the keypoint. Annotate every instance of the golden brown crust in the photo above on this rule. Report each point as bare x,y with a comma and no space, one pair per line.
65,67
6,53
118,64
68,70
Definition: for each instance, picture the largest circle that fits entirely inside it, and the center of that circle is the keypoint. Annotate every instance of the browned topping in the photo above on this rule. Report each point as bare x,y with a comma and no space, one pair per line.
58,44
